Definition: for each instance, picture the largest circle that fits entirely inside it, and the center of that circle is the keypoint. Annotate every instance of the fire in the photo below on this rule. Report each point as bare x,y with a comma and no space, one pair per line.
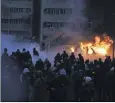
99,46
72,49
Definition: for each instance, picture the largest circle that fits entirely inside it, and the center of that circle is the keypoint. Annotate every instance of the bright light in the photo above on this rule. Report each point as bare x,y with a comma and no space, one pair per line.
90,51
72,49
101,51
100,46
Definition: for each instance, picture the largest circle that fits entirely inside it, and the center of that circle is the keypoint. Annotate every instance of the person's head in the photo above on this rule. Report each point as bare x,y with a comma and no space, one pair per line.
28,52
72,53
18,50
100,59
13,53
40,60
79,55
95,61
46,60
87,61
24,50
58,54
64,51
5,50
34,48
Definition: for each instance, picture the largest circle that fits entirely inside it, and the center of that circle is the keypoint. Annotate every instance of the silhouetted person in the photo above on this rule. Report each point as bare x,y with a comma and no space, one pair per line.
57,58
35,52
47,64
39,65
18,55
5,52
64,55
23,55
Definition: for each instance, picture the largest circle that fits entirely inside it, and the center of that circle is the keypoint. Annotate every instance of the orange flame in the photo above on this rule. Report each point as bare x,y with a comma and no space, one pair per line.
99,46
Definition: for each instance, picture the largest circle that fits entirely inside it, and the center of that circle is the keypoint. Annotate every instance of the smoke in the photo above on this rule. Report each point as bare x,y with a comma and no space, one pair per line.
77,18
10,84
10,42
11,88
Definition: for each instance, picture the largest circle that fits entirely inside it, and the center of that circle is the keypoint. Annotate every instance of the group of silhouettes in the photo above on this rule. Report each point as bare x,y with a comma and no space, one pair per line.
69,78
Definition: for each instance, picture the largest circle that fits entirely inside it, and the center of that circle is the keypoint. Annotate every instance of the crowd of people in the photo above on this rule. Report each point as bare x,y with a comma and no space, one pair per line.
70,78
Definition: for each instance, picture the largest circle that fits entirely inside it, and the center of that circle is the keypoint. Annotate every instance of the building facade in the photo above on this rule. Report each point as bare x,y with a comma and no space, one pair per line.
16,17
60,16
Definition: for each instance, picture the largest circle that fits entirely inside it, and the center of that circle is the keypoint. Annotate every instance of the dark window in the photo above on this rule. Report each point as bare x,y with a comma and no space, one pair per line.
64,11
20,9
16,9
49,24
61,11
2,20
45,11
11,9
27,21
57,11
28,10
44,24
20,21
6,21
48,11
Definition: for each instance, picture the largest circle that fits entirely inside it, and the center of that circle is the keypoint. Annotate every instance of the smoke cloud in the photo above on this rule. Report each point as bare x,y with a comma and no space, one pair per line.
76,18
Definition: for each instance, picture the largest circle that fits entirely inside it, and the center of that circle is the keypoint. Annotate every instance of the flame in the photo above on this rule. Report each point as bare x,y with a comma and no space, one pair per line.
99,46
72,49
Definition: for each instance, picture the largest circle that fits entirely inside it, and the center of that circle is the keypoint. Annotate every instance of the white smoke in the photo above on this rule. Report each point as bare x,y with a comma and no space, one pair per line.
10,42
77,18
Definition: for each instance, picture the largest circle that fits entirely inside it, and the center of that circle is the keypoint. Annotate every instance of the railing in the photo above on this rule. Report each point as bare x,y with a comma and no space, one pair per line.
51,40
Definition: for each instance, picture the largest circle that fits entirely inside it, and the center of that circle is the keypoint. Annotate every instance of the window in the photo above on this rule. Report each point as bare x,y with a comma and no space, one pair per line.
20,9
20,21
4,20
57,24
61,11
28,10
16,21
27,21
14,10
45,11
57,11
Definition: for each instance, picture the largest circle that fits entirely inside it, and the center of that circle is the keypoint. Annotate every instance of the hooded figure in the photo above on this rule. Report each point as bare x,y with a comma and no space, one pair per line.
62,72
87,79
25,84
26,70
86,92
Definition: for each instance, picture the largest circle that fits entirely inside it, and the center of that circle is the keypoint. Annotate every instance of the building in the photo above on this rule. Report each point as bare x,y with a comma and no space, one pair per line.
60,16
16,17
